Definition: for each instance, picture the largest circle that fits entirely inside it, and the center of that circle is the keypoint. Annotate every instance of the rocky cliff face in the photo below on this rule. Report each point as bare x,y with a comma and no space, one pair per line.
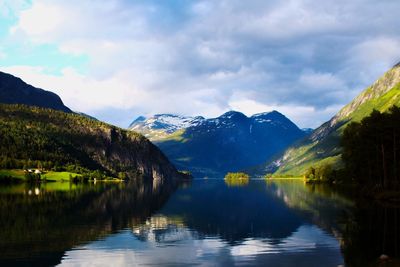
115,146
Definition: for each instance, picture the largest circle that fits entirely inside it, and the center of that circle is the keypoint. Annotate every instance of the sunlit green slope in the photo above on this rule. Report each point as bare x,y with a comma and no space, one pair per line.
323,145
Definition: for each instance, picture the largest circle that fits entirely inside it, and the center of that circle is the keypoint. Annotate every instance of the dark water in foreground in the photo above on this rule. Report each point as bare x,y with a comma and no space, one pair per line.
205,223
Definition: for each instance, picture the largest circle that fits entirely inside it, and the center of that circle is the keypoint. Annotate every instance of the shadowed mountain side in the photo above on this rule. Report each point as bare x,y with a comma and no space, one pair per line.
230,142
68,139
13,90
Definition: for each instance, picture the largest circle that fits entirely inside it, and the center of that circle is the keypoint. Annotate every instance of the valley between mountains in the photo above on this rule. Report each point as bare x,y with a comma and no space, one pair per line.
265,143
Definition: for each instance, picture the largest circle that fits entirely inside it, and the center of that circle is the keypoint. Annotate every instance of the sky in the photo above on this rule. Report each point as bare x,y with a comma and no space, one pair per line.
119,59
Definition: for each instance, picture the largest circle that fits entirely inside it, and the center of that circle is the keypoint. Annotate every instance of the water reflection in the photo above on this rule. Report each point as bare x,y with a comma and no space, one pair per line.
232,213
370,231
206,223
37,229
210,224
243,181
161,229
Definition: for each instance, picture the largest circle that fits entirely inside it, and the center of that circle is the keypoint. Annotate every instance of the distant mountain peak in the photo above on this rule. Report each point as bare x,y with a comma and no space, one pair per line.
213,146
269,115
307,130
140,118
167,115
137,120
199,118
266,113
232,114
160,125
273,117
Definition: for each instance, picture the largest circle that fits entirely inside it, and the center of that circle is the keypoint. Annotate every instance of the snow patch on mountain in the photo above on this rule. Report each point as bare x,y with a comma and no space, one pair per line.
167,123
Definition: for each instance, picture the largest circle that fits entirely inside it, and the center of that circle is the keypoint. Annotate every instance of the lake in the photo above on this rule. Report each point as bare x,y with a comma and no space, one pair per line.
199,223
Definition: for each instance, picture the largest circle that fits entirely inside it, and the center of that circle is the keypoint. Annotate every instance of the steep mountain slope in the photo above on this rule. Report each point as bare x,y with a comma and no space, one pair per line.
33,133
231,142
323,145
15,91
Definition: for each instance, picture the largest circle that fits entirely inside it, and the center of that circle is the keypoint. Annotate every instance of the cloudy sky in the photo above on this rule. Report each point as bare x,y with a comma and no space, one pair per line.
120,59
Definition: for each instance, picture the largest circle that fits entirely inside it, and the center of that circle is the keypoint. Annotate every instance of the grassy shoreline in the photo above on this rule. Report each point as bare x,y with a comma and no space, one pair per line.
17,175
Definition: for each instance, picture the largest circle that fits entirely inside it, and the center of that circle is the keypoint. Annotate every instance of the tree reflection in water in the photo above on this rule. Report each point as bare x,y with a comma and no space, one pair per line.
372,230
259,221
37,229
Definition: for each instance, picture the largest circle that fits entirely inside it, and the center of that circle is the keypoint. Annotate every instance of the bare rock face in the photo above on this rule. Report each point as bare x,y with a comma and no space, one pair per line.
113,146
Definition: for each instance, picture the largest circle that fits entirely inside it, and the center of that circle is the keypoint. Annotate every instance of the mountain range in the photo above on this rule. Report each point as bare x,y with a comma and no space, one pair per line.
322,146
212,147
206,147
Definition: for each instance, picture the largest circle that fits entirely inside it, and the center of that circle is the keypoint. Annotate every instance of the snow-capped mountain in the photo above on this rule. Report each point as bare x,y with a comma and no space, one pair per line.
211,147
161,125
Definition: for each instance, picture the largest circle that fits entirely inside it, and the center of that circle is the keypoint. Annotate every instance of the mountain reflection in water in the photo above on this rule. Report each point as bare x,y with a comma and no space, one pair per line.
37,229
206,223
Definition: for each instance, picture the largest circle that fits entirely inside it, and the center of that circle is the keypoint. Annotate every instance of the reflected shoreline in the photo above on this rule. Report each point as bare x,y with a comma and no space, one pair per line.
39,227
250,222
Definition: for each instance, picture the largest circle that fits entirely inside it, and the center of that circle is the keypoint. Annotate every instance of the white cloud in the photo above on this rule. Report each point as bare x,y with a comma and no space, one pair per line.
320,81
42,20
375,55
304,116
196,57
80,92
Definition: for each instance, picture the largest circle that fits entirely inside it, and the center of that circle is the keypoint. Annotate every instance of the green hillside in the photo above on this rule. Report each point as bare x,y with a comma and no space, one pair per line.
323,145
55,140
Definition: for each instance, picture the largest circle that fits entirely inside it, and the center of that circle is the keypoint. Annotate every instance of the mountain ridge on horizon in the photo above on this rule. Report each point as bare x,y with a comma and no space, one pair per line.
214,146
184,121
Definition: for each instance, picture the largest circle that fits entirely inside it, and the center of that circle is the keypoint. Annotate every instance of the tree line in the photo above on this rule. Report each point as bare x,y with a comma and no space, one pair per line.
32,137
371,149
370,153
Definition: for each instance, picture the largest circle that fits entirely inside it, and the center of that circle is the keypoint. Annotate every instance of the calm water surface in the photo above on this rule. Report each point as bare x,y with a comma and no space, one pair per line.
204,223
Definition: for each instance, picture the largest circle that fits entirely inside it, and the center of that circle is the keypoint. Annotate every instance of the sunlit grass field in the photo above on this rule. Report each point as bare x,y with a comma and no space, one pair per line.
49,176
